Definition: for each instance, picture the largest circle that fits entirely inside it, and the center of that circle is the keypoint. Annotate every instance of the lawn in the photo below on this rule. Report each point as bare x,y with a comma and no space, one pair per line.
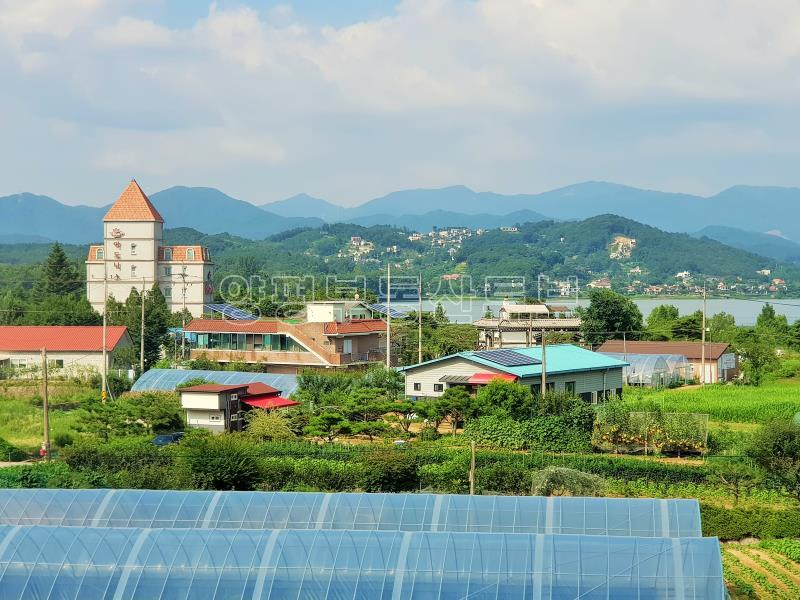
21,423
779,399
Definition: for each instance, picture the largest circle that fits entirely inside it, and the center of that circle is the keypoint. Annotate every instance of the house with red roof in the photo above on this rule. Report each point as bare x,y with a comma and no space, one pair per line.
333,334
72,350
133,255
219,407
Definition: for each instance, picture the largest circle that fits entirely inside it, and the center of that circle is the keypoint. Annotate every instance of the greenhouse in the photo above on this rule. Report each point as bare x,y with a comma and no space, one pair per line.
70,563
393,512
169,379
649,370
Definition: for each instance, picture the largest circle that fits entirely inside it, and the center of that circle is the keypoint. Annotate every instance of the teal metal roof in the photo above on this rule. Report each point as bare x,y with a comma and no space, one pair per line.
560,358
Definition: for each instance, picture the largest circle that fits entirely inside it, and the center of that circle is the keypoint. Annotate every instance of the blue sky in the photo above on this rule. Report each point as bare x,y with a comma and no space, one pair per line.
352,99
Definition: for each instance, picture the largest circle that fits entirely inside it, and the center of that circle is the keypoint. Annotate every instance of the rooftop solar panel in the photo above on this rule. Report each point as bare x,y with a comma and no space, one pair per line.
169,379
508,358
396,313
231,312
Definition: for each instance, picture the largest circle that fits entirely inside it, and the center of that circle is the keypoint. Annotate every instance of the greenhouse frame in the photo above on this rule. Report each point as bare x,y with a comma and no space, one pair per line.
72,563
653,370
640,517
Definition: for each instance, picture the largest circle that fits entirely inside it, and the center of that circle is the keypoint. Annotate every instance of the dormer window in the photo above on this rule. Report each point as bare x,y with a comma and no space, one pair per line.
190,254
100,254
133,249
167,253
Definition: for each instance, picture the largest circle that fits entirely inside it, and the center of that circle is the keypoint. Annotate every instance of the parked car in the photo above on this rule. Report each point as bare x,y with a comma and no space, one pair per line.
165,439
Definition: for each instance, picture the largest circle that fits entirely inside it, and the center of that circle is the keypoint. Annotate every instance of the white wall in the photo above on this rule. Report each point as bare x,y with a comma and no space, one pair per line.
203,419
427,376
203,400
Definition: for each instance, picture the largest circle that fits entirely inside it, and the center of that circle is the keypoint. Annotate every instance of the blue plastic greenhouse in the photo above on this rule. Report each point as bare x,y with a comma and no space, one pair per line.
64,563
394,512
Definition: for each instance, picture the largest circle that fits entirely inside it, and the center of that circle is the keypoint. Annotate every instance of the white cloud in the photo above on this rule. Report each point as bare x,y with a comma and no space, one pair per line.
128,31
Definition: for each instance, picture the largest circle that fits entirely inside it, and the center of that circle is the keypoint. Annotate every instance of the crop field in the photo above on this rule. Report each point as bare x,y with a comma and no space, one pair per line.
728,403
766,570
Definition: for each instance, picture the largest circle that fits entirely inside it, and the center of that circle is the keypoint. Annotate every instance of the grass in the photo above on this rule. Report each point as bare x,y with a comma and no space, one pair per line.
21,423
777,399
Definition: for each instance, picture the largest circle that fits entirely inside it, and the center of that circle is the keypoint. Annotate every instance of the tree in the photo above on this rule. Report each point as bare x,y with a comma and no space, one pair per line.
609,315
736,476
371,429
506,397
776,448
328,425
156,321
402,413
218,462
661,321
268,426
688,327
757,356
439,314
774,327
457,405
59,277
721,328
561,481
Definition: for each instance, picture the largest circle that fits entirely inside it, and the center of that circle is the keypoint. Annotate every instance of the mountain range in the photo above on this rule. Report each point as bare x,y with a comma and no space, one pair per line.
29,217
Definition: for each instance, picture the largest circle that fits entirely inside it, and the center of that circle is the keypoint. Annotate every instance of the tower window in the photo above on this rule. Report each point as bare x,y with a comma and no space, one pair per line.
190,254
167,253
133,270
133,248
100,254
167,292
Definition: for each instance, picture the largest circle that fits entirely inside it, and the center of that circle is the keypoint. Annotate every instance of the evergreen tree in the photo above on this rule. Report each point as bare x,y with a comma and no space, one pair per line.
661,321
608,316
59,277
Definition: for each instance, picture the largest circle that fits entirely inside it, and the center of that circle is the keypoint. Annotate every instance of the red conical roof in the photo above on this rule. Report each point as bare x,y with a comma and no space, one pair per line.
133,205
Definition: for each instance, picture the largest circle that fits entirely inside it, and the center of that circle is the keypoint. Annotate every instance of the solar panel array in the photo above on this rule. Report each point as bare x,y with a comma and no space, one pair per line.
507,358
396,312
229,311
169,379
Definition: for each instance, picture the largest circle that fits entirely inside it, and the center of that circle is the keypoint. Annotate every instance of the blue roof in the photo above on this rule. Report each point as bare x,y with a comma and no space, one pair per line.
397,312
169,379
560,358
229,311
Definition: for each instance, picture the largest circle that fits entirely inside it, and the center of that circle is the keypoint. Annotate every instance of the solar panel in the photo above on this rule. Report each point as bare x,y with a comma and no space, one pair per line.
169,379
396,313
508,358
230,312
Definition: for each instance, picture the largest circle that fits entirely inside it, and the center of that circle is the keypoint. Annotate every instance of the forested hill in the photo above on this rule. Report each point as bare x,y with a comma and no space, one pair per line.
585,248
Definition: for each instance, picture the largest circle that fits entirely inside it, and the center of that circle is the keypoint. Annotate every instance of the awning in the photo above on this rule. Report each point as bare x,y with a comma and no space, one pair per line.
487,377
454,379
270,402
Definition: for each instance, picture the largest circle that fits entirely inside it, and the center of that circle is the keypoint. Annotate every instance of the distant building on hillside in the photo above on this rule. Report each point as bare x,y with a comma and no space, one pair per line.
133,256
601,283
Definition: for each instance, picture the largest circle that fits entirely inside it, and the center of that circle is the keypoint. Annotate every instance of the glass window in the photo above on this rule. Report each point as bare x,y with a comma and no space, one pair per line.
202,340
417,387
569,387
167,292
224,341
167,271
167,253
438,387
133,248
259,342
133,270
100,254
241,343
190,254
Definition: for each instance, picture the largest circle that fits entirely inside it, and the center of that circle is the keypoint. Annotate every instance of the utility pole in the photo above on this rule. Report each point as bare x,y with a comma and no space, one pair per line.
104,378
703,342
46,407
183,316
624,346
419,319
472,468
544,364
388,315
141,333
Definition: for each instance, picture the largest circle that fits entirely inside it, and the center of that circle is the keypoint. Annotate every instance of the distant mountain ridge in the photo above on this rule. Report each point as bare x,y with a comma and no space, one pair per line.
764,244
209,210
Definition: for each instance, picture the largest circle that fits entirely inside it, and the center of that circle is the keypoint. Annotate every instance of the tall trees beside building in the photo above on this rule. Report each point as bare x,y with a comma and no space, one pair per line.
59,276
156,321
608,316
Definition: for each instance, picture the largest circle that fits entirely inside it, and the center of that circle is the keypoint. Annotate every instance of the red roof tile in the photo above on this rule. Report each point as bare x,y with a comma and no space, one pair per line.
133,205
179,253
355,326
225,326
261,389
62,338
270,402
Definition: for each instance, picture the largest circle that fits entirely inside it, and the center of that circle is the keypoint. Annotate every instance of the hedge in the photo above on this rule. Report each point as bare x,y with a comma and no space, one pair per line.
737,523
10,452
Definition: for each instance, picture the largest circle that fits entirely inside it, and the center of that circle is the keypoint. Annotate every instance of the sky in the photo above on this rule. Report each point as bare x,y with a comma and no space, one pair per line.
352,99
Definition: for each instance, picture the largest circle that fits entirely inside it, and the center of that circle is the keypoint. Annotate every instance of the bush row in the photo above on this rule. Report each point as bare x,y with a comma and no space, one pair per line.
737,523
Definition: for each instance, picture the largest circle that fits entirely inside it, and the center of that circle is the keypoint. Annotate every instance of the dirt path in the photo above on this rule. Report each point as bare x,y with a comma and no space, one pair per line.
774,564
747,561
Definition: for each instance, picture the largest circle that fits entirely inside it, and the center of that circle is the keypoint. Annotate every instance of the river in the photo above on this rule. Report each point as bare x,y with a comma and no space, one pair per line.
744,311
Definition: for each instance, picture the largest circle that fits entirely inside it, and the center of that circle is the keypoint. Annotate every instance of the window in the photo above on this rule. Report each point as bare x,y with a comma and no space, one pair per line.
417,387
133,270
167,271
216,417
438,387
55,364
100,254
569,388
133,249
167,292
167,253
190,254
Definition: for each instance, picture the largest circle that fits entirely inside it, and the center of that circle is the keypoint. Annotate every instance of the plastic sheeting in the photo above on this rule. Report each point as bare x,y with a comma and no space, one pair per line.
393,512
64,563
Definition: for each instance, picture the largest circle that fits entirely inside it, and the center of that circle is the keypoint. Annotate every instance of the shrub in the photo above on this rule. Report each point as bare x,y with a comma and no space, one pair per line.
552,433
392,470
10,452
221,462
43,475
737,523
61,439
268,426
123,454
559,481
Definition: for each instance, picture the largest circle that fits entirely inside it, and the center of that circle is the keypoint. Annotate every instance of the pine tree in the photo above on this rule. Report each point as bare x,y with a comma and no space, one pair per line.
59,277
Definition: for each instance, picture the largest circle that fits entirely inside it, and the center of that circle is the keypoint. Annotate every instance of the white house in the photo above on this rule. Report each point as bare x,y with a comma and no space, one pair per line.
133,255
72,351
